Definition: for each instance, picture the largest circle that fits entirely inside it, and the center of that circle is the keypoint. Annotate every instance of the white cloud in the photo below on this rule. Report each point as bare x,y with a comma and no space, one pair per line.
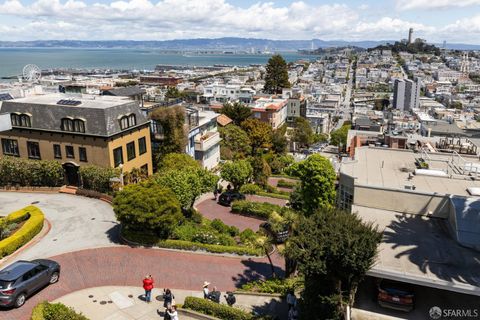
177,19
434,4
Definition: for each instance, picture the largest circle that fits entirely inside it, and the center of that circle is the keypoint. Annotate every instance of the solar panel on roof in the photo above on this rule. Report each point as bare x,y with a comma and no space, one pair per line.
69,102
5,96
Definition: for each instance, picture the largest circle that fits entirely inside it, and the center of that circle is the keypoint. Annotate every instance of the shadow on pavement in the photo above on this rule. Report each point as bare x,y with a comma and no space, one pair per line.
255,270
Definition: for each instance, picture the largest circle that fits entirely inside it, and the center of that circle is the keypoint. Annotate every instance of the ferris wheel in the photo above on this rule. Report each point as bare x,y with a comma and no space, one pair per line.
31,73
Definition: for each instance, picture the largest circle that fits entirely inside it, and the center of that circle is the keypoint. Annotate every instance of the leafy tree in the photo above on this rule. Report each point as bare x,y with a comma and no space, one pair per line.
147,207
237,172
173,93
276,77
260,134
236,111
302,133
261,170
235,143
279,163
174,161
320,137
187,183
279,140
334,250
172,122
317,183
339,136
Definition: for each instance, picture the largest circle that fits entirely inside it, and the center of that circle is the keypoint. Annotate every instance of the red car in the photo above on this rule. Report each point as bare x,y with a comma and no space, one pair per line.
395,295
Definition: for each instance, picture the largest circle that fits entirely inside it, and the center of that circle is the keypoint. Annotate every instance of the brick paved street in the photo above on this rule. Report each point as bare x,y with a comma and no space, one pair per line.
126,266
211,210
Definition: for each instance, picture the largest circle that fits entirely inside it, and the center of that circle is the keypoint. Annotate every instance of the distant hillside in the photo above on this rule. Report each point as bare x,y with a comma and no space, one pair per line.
230,43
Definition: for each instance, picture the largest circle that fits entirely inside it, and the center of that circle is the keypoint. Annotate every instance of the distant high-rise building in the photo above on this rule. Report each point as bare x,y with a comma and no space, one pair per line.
410,35
444,45
406,94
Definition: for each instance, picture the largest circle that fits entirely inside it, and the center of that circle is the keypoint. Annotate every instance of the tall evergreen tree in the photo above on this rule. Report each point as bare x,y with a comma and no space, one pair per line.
276,77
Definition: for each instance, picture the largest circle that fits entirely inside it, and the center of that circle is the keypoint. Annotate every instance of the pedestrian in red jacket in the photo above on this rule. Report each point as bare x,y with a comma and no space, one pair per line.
148,286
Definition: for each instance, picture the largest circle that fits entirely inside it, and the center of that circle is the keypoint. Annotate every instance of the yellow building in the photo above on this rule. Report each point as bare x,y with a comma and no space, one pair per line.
104,131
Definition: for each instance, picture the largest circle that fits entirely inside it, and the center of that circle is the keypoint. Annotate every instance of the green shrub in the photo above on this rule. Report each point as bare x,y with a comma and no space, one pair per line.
280,286
220,311
30,229
97,178
286,184
26,172
152,240
248,237
274,195
221,227
202,234
250,188
55,311
257,209
186,245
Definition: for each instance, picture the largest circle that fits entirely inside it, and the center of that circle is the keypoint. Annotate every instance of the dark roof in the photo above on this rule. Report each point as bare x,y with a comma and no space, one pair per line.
364,121
5,96
101,114
15,270
125,91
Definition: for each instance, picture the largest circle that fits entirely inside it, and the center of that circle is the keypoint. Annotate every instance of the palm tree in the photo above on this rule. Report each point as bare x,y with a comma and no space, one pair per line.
266,244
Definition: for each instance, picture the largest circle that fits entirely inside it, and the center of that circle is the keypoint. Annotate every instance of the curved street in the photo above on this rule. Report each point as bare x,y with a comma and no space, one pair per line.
90,255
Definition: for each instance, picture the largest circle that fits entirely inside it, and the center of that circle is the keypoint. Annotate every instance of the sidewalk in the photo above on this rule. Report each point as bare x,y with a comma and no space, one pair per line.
126,303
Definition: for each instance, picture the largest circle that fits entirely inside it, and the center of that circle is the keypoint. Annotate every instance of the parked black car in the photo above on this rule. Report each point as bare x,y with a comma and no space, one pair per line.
395,295
228,197
23,278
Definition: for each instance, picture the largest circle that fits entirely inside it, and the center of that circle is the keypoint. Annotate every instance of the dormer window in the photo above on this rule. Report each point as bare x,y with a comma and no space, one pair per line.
128,121
21,120
73,125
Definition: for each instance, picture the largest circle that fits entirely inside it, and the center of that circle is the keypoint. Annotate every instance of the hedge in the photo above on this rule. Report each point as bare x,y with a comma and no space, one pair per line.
258,209
146,239
20,215
250,188
55,311
211,308
280,286
97,178
286,184
26,172
30,229
274,195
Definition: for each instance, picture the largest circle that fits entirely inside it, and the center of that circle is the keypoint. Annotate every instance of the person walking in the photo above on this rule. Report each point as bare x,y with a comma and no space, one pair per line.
148,286
215,193
205,289
291,299
168,298
172,313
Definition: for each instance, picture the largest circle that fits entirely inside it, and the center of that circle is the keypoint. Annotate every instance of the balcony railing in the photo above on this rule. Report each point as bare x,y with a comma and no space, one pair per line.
206,141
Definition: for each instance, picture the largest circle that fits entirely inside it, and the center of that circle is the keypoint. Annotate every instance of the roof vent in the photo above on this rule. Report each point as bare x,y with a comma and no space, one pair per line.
69,102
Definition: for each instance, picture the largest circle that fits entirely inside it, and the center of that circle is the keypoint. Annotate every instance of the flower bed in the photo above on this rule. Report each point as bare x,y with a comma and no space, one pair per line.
32,226
257,209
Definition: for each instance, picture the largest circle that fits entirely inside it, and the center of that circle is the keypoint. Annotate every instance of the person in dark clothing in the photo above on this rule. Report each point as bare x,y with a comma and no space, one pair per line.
167,298
215,194
215,295
230,297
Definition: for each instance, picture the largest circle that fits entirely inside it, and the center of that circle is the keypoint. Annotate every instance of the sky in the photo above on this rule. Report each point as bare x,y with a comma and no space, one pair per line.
455,21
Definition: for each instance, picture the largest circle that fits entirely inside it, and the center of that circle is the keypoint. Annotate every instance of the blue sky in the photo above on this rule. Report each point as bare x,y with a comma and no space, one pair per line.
435,20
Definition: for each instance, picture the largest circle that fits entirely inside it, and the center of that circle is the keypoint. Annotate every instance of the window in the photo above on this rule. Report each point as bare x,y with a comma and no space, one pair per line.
132,120
142,146
57,151
118,156
82,154
76,125
144,169
33,150
131,150
20,120
69,152
79,125
128,121
10,147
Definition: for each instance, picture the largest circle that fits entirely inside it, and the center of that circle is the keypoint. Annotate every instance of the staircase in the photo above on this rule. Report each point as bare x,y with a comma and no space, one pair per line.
68,189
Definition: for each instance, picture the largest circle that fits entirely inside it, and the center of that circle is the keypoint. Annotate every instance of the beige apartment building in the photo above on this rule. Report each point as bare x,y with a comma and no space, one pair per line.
104,131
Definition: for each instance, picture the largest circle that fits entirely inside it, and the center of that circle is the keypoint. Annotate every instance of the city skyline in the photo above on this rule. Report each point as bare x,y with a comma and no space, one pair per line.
351,20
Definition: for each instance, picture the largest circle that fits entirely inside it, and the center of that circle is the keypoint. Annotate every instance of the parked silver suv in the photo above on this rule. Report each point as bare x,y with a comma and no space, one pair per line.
23,278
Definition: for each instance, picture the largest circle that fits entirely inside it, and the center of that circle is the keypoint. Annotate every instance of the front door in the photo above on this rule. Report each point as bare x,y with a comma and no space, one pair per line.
71,174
